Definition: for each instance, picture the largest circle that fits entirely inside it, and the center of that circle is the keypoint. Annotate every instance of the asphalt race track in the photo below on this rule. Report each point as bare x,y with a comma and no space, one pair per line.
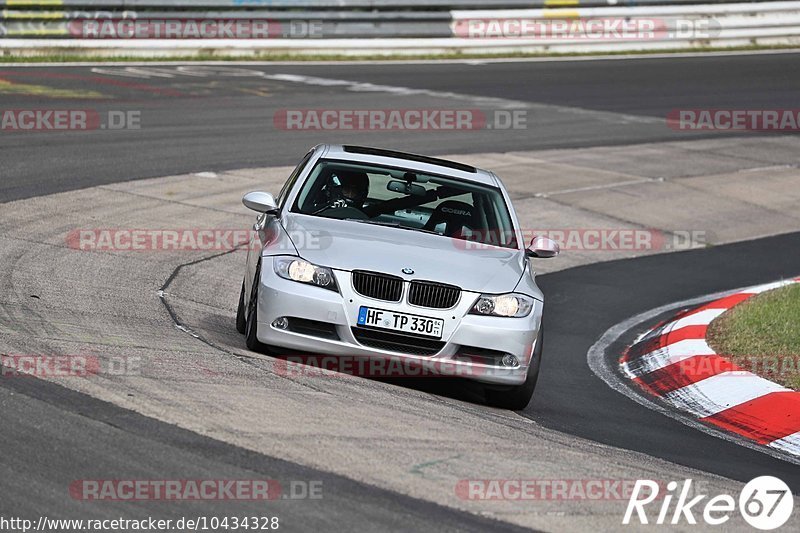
200,121
80,434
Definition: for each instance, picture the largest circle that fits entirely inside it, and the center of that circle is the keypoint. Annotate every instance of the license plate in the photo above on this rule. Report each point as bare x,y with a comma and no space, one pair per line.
417,325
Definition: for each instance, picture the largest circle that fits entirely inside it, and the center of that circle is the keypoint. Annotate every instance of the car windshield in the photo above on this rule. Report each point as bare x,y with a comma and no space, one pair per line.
407,199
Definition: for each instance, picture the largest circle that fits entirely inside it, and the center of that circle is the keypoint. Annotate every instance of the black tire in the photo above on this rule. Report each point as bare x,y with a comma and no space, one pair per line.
241,314
518,397
251,323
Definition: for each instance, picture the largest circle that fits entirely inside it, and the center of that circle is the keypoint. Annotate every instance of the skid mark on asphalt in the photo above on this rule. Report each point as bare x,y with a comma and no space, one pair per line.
27,89
417,468
616,185
247,359
162,200
92,80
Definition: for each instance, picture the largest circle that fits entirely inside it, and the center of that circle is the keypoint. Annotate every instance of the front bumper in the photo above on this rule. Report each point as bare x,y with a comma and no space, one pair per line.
462,333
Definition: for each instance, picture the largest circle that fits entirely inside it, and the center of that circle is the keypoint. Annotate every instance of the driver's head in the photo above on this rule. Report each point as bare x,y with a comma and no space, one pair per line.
355,186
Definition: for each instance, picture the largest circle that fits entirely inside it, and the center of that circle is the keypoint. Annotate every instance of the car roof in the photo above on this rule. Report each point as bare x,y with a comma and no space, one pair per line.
420,163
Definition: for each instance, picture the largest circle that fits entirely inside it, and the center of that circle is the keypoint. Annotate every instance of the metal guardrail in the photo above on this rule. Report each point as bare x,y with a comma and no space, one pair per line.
394,26
66,24
343,5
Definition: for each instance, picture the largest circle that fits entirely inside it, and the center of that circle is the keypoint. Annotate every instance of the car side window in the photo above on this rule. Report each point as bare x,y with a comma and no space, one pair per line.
293,179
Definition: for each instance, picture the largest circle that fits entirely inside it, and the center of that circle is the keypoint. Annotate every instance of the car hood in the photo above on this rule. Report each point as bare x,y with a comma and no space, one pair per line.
347,245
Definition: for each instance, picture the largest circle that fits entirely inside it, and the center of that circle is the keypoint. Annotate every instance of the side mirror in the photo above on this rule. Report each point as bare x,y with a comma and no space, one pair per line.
261,202
542,247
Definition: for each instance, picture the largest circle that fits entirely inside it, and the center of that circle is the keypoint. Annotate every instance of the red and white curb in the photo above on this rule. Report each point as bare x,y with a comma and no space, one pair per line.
674,362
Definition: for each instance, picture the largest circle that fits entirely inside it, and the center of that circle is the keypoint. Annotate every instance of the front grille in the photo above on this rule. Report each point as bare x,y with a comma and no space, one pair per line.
314,328
394,342
378,286
435,295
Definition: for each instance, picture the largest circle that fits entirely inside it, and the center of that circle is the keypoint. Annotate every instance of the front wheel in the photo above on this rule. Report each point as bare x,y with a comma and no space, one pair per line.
241,313
518,397
251,323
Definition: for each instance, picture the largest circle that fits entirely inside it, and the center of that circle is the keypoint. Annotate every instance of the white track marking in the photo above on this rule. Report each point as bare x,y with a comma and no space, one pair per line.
701,318
356,86
758,289
147,72
674,353
789,443
720,392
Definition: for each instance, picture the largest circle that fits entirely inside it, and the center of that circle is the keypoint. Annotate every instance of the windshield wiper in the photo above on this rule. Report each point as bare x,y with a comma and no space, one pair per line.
391,225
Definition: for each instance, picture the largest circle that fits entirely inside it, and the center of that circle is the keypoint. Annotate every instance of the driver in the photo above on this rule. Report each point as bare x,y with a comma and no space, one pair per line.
354,187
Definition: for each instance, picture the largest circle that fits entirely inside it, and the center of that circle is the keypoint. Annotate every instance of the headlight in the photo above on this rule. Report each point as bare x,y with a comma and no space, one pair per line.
301,271
512,305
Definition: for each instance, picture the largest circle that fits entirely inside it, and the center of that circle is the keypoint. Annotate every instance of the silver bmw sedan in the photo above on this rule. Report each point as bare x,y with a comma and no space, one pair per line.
373,253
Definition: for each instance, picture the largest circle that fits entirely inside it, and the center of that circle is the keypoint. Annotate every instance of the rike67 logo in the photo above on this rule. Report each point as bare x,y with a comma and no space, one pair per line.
765,503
